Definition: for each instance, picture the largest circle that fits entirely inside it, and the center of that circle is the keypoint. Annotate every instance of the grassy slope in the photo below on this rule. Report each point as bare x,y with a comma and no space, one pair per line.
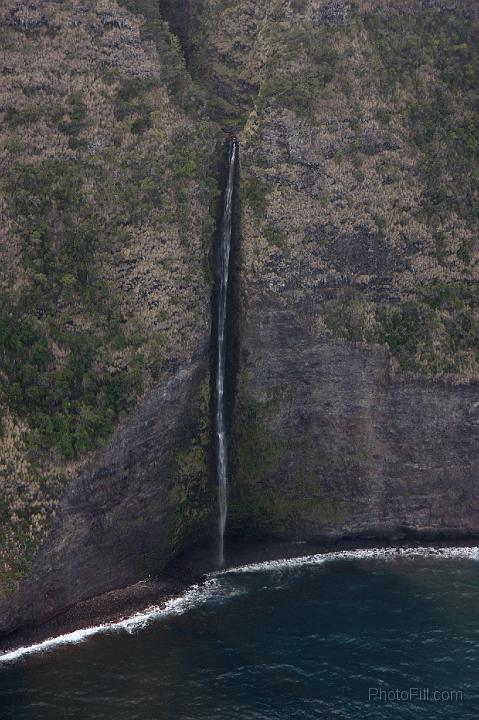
361,169
359,174
105,234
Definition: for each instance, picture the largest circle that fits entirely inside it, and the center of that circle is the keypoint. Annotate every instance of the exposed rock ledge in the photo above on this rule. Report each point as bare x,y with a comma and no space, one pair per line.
331,442
121,518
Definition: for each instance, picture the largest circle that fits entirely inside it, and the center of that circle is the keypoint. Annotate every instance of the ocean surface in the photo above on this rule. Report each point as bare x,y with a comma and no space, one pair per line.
366,634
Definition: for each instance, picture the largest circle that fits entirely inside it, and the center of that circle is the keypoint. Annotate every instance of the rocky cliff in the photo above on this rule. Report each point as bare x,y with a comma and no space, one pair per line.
109,193
356,411
333,442
134,508
357,306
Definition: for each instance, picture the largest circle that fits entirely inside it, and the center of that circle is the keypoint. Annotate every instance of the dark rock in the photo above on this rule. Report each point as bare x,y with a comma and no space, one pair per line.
348,447
119,521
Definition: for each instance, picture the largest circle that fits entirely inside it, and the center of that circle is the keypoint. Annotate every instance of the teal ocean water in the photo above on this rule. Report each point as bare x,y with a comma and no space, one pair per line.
371,634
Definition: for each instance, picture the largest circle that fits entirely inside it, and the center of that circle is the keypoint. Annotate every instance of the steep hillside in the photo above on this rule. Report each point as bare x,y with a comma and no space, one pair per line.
108,212
356,409
359,164
357,308
360,178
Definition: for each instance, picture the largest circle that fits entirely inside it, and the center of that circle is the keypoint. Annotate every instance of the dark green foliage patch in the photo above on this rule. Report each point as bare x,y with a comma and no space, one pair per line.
52,356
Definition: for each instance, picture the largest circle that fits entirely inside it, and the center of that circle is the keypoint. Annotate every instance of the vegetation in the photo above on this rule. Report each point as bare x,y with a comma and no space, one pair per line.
26,505
256,454
435,332
77,116
254,192
108,201
174,72
15,118
131,103
72,403
371,207
445,48
192,495
297,88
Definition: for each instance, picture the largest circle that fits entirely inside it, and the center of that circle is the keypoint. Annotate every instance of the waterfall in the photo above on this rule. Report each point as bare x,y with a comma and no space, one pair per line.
223,269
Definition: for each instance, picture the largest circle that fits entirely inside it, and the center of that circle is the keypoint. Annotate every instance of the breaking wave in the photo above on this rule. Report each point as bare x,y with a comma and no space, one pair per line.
455,553
210,591
215,590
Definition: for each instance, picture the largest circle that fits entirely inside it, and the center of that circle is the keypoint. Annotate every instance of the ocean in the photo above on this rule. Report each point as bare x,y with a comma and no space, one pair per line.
360,634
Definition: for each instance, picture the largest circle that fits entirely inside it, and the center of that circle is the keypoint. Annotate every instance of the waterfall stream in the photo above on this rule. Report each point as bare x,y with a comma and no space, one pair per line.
223,269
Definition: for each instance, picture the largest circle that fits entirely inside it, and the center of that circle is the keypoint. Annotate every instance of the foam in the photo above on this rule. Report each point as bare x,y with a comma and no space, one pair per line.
213,590
460,553
194,596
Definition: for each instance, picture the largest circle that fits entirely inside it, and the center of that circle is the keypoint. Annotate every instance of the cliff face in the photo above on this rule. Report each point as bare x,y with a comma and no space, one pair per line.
357,314
108,213
356,412
135,507
332,442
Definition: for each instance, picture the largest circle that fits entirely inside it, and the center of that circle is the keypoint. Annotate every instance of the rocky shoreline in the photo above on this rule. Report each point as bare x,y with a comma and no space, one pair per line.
193,567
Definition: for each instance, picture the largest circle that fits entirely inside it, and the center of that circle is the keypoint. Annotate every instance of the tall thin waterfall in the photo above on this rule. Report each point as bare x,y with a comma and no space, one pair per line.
223,269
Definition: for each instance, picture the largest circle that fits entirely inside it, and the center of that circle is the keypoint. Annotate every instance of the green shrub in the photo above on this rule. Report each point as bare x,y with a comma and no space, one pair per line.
148,8
131,104
72,408
444,47
299,6
437,332
77,114
71,405
403,328
254,192
14,118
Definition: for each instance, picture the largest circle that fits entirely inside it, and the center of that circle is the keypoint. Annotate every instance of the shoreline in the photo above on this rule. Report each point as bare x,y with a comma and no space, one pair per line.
140,603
